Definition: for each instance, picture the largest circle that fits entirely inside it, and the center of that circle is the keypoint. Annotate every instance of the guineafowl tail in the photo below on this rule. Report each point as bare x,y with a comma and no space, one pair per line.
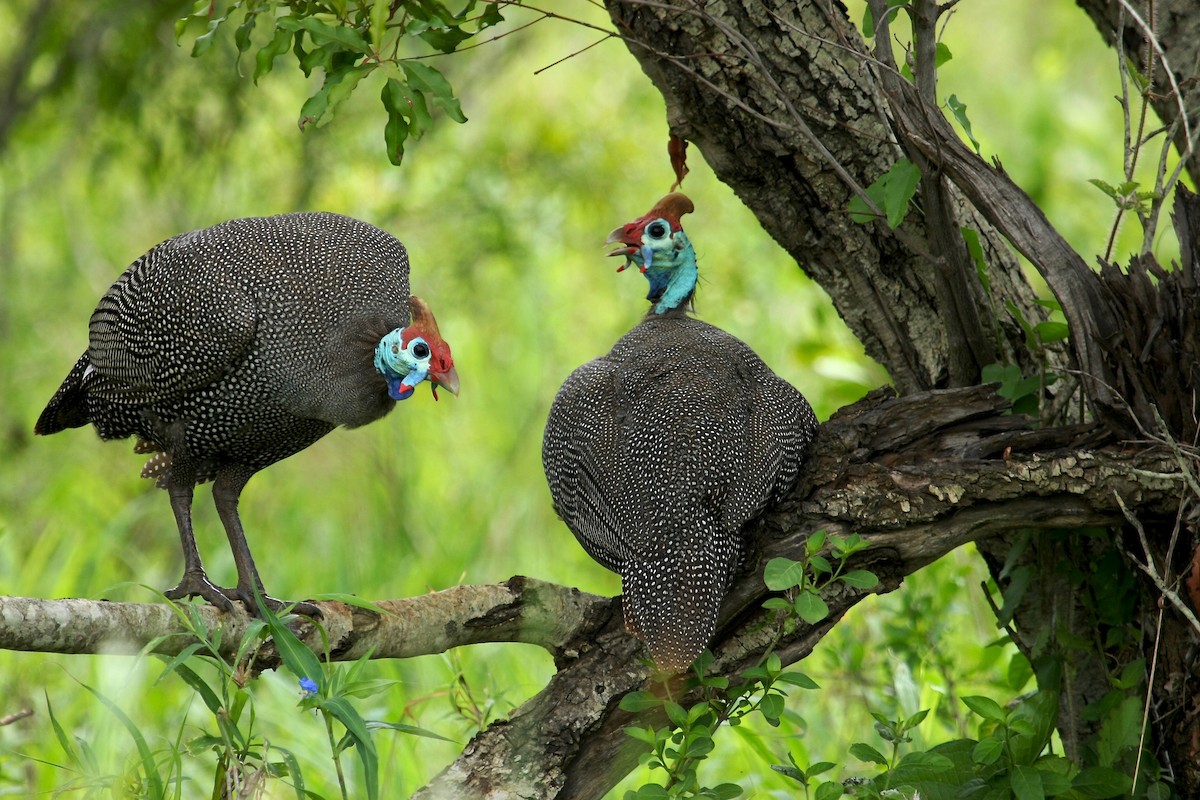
671,599
68,407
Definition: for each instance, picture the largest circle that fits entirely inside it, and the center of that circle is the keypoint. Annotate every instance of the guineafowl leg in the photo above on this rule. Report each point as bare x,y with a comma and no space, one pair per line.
227,488
195,582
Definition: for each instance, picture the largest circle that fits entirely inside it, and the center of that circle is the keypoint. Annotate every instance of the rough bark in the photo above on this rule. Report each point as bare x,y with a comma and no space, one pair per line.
780,99
790,108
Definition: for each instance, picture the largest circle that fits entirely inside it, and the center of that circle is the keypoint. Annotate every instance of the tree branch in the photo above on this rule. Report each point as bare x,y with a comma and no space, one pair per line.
917,476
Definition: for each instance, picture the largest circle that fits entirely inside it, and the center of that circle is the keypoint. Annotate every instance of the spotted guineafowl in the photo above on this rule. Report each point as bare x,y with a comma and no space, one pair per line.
227,349
660,452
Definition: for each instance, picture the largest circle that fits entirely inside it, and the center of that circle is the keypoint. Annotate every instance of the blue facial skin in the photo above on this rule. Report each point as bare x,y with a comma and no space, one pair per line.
402,366
669,262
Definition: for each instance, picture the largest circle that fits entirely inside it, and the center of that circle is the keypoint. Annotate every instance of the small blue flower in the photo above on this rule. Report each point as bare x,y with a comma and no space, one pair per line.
308,687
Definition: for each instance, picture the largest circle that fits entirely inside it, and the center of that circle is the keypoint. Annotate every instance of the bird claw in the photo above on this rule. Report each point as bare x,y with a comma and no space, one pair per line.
278,607
197,584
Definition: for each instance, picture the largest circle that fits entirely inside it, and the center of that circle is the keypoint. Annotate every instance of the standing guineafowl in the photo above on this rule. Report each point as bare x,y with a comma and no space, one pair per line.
660,452
227,349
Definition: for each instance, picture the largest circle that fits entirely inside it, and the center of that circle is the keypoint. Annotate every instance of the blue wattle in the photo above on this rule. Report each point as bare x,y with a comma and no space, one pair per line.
396,388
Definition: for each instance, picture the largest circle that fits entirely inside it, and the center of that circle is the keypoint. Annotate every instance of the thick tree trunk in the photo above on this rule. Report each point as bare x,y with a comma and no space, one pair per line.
791,109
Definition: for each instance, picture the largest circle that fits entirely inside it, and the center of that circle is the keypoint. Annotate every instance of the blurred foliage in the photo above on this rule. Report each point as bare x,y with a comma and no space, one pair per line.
115,138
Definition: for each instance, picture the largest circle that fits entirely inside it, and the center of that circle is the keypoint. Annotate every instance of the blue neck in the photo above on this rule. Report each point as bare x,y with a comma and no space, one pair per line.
673,280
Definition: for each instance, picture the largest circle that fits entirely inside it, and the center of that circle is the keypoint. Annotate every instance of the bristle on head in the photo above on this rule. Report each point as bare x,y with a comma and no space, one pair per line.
422,317
672,208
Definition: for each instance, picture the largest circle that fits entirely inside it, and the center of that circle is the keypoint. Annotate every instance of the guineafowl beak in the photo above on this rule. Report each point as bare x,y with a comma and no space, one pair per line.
629,237
447,380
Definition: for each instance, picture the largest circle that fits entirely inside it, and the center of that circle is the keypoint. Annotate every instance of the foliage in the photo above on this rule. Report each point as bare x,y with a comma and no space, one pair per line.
436,495
348,42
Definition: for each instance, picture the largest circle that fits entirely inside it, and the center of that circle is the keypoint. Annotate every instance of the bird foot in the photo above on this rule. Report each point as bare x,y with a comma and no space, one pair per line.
276,606
197,584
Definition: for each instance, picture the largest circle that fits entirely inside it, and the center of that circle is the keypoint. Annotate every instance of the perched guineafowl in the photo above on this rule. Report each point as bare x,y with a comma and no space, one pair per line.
660,452
227,349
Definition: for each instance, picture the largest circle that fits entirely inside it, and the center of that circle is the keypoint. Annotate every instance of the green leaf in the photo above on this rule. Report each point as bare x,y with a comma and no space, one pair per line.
635,702
293,770
411,730
891,192
319,109
868,25
821,565
205,41
782,574
641,734
772,708
726,791
865,752
1051,331
959,110
798,679
396,130
381,12
987,751
985,707
829,790
154,787
860,579
199,686
699,747
295,654
790,771
975,249
264,59
342,36
810,607
901,185
426,78
1026,783
815,542
356,728
64,741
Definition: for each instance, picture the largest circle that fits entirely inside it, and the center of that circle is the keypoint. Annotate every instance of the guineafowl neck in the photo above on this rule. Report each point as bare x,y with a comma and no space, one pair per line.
677,287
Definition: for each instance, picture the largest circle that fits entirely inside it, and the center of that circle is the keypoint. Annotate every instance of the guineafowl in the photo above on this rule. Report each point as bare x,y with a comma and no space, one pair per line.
226,349
659,453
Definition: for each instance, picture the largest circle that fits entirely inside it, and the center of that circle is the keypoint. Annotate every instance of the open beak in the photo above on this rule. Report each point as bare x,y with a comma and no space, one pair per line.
629,245
447,380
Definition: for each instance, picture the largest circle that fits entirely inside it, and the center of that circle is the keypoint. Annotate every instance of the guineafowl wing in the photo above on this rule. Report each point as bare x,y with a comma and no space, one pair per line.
580,461
176,320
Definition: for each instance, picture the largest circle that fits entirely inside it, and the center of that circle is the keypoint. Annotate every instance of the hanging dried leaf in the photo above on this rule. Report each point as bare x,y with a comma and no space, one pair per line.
677,150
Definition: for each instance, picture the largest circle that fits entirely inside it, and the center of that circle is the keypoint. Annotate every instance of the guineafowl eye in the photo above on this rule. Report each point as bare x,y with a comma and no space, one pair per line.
420,350
657,229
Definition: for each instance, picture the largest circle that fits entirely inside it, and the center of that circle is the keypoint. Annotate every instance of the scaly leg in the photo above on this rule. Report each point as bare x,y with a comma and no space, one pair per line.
227,489
195,582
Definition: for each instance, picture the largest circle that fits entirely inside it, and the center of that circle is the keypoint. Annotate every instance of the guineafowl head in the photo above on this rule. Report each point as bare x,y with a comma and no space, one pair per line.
406,356
656,243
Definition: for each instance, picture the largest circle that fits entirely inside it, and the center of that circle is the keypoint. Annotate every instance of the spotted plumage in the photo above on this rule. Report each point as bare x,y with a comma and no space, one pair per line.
227,349
659,453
